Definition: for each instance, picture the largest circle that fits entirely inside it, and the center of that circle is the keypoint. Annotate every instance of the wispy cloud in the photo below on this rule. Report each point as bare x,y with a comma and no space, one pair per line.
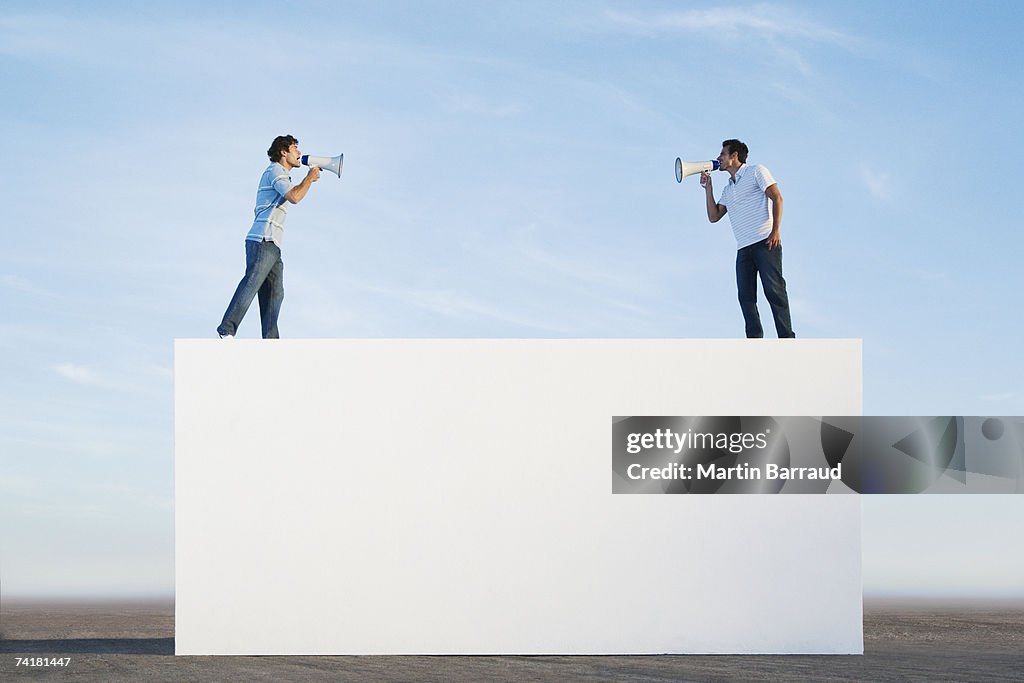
766,21
932,276
167,46
771,29
480,106
589,271
32,36
999,397
878,183
15,282
79,374
161,371
19,284
455,304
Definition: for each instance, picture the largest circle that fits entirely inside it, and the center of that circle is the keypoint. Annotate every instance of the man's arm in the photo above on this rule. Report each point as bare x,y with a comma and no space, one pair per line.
296,194
715,210
775,238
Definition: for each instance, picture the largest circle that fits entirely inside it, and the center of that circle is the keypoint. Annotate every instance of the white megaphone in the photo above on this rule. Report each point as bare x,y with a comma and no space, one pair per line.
685,168
332,164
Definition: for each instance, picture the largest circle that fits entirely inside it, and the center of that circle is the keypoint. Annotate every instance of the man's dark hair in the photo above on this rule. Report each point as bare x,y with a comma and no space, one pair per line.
738,148
280,145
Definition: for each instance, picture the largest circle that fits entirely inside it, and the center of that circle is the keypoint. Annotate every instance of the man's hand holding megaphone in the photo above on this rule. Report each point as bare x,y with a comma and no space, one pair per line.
715,210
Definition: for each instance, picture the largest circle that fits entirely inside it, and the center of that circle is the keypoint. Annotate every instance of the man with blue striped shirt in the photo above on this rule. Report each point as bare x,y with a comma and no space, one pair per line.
264,269
758,241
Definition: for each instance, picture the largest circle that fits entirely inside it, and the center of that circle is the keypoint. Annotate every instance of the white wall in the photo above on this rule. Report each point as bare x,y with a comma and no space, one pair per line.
454,496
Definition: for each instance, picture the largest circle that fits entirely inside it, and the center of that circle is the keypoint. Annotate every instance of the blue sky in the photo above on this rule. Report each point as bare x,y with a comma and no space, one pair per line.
508,173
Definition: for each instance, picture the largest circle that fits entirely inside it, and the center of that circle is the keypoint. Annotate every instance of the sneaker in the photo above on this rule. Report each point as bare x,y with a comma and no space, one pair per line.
227,336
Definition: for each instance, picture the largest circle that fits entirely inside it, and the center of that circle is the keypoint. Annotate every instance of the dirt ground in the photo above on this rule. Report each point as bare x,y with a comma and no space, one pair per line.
135,642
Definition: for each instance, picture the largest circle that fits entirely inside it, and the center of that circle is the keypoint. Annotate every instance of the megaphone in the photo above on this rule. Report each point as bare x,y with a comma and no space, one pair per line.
685,168
332,164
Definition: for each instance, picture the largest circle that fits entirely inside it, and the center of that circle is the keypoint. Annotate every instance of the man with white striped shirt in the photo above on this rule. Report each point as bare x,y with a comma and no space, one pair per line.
758,241
264,269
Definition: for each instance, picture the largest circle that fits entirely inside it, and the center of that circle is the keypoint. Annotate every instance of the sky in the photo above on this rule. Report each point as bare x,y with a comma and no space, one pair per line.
509,172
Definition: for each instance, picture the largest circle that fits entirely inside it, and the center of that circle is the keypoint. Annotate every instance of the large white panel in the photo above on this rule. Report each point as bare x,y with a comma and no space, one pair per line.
454,496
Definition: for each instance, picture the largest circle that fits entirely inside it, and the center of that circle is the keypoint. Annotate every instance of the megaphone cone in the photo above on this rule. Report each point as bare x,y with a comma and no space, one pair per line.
685,168
332,164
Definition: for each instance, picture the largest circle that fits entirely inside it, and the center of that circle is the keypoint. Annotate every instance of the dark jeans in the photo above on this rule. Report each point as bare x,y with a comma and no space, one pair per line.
264,275
754,259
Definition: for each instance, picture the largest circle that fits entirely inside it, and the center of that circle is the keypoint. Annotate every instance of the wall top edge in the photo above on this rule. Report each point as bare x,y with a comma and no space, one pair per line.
689,340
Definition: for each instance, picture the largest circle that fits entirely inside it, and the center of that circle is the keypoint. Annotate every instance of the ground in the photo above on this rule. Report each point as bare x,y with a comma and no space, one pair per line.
134,642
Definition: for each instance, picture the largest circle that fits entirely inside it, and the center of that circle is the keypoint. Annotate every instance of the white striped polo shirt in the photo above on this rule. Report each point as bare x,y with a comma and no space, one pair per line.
747,204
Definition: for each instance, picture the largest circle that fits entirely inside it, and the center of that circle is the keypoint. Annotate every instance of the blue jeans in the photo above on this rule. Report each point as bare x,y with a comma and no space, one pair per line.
264,275
754,259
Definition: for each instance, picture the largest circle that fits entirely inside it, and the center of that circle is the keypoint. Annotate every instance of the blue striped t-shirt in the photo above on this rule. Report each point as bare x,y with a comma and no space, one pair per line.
271,206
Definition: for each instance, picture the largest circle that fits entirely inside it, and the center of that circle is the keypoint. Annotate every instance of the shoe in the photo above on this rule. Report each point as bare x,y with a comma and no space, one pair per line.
227,336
